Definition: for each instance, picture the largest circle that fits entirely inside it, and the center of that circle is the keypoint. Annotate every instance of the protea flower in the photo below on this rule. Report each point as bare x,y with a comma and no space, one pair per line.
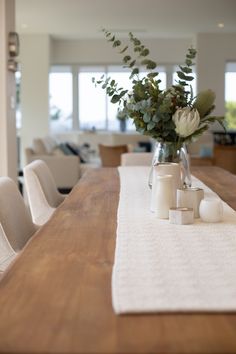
186,121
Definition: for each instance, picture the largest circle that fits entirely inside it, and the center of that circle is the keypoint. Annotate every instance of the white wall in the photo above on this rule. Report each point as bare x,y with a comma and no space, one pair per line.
8,149
214,50
38,51
100,51
35,56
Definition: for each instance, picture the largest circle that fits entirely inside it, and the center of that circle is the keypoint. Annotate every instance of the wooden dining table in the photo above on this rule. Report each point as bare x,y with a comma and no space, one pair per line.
56,296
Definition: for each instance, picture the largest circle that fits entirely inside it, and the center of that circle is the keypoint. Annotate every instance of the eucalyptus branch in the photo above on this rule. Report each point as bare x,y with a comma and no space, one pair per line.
171,115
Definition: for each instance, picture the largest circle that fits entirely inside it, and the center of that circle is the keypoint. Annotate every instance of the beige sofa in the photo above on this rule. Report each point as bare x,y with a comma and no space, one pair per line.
66,169
132,139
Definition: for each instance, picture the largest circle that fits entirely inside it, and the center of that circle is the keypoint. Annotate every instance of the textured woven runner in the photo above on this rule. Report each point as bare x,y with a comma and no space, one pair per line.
160,267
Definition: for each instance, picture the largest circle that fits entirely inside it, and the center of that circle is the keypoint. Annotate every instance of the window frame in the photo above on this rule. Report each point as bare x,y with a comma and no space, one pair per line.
75,69
230,68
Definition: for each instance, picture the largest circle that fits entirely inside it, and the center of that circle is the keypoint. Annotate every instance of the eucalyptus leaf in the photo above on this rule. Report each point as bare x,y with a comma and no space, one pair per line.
132,63
145,52
115,99
183,83
124,49
151,125
136,41
152,75
146,118
149,63
156,118
186,69
116,43
135,71
190,56
188,62
181,75
123,93
126,58
189,78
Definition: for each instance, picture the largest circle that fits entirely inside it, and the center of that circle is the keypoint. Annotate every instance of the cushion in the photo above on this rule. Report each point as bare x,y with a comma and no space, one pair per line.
50,143
84,153
39,147
73,148
57,152
81,151
64,148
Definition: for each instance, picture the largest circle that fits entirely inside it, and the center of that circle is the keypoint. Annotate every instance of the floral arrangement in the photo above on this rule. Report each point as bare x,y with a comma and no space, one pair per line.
171,115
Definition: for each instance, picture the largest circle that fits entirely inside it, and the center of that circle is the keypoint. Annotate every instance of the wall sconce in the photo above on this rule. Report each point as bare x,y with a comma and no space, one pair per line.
12,65
13,44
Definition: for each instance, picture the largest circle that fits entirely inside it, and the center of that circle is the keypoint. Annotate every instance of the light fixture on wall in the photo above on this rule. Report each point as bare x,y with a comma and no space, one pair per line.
12,65
13,51
13,44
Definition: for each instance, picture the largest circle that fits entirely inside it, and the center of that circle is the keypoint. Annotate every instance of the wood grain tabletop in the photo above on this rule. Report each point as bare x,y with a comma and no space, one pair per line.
56,297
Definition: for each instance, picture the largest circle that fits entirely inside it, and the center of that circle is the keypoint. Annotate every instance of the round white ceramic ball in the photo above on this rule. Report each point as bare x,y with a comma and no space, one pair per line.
211,210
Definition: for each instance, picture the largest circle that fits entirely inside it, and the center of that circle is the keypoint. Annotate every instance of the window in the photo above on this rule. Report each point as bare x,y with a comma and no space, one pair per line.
60,99
18,108
75,102
230,95
120,75
92,101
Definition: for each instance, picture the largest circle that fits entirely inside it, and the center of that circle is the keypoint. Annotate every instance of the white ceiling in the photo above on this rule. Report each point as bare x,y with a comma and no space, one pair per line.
147,18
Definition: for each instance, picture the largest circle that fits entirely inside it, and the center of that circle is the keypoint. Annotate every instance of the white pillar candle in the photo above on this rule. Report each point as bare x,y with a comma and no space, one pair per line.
173,169
211,210
162,195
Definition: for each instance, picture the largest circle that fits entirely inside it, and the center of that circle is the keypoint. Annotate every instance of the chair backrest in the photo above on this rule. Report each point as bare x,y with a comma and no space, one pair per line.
38,170
7,254
41,191
136,159
111,155
14,215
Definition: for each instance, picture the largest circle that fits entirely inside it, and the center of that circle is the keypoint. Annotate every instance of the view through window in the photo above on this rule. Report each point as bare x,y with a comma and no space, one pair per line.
18,108
230,95
60,99
76,102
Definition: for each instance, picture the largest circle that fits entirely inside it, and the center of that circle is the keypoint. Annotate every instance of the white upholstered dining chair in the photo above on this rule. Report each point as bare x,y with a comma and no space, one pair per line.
7,254
136,159
41,191
16,226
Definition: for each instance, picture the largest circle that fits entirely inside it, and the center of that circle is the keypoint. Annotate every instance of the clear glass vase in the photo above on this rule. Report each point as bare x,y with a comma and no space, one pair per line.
166,152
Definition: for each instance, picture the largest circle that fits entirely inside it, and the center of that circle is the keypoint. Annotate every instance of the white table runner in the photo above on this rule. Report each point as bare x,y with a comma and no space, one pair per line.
160,267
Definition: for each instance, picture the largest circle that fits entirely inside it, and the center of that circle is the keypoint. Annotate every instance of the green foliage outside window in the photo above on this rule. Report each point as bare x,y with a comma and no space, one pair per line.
231,115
